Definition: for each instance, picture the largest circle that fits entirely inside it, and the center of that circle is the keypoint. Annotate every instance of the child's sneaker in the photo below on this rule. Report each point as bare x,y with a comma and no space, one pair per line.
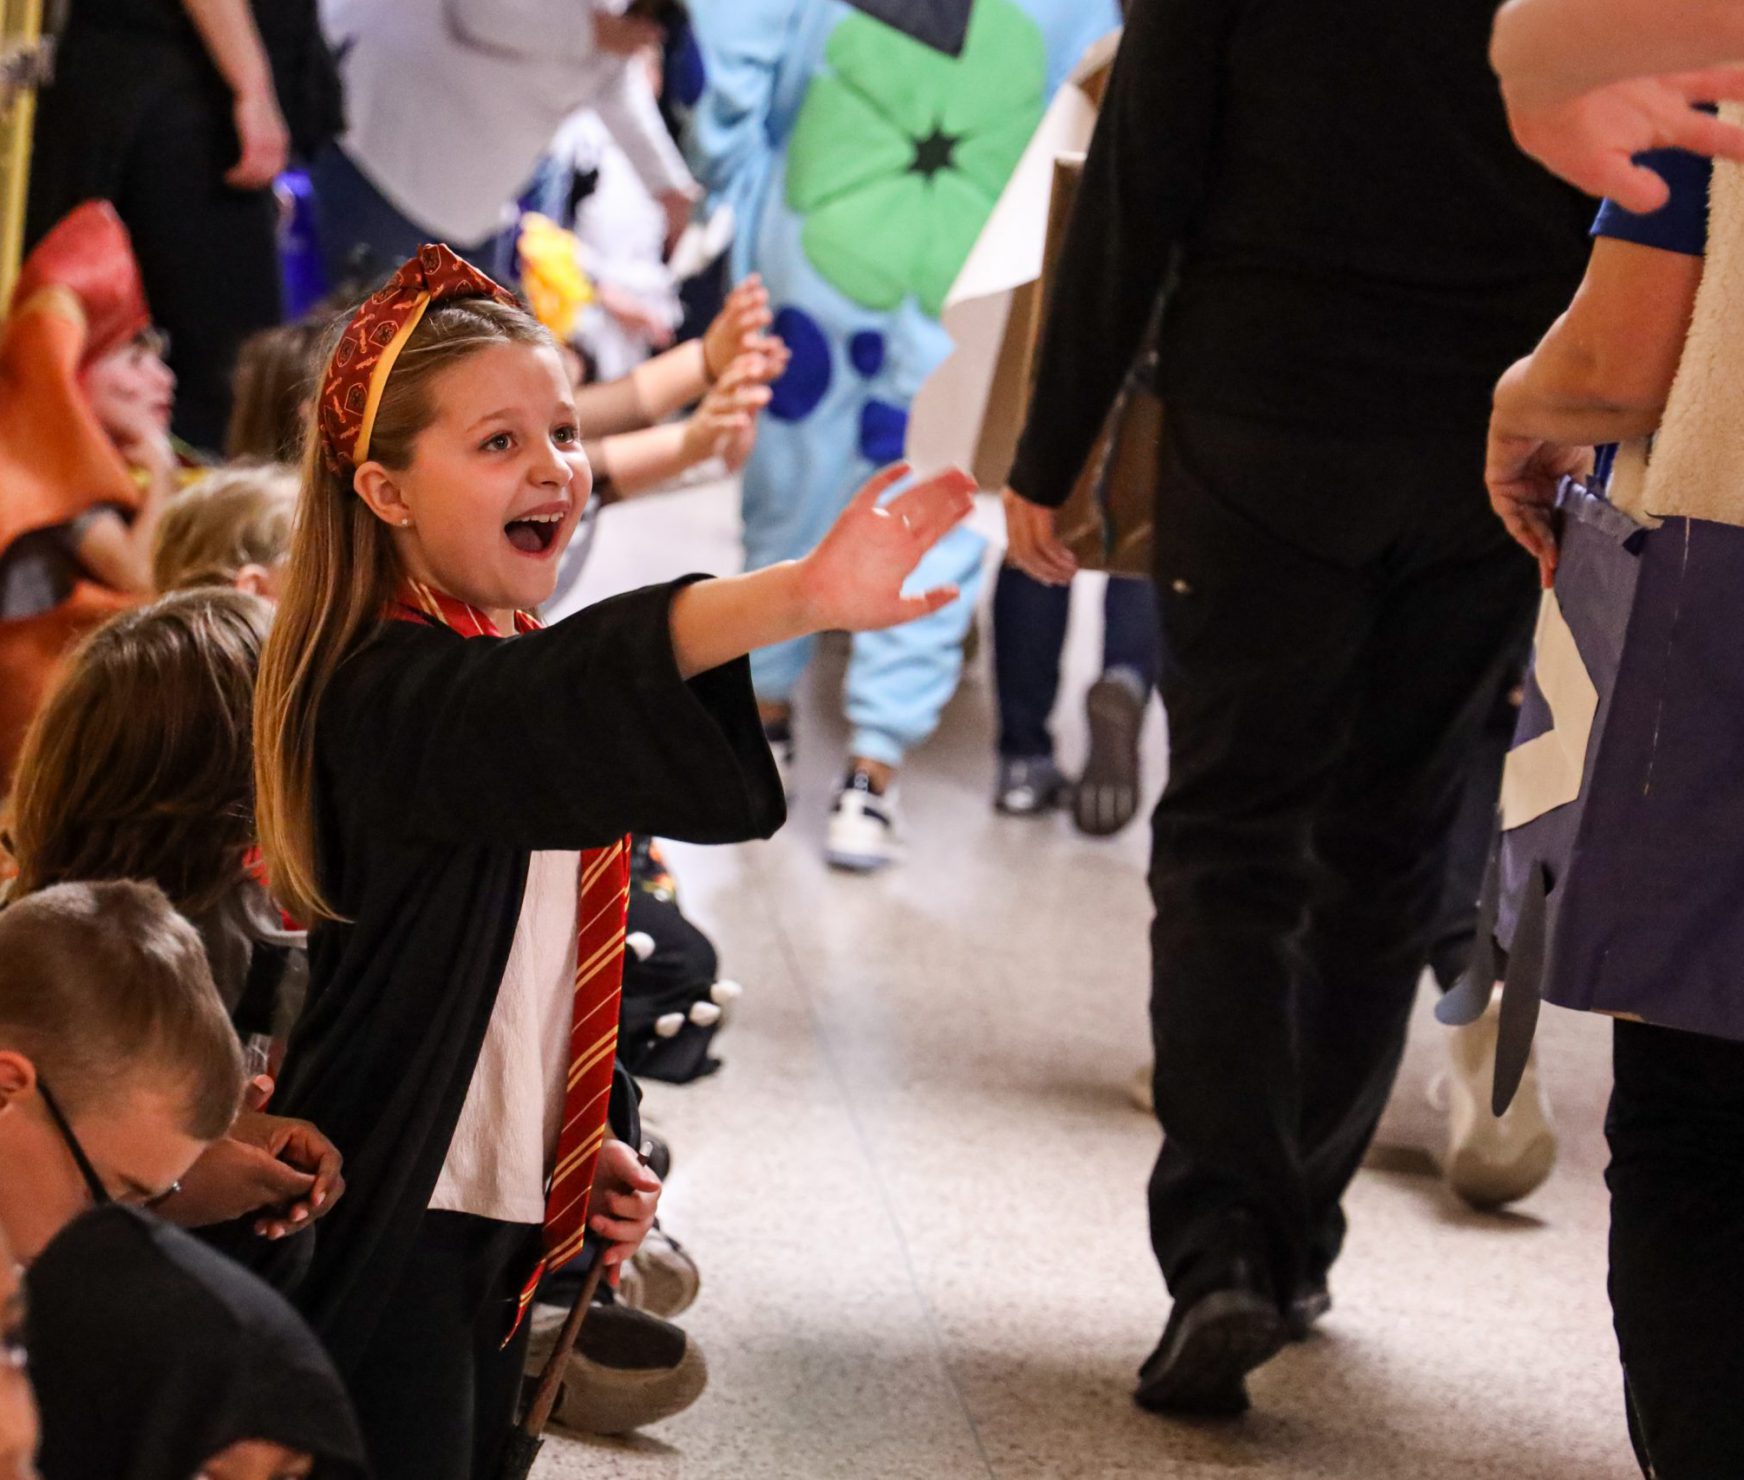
862,835
1028,786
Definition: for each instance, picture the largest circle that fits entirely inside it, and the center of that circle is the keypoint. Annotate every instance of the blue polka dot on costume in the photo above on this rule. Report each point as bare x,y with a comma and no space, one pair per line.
866,352
807,378
883,431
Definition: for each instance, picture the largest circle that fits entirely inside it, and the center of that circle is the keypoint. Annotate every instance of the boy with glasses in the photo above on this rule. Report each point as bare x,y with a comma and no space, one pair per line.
118,1064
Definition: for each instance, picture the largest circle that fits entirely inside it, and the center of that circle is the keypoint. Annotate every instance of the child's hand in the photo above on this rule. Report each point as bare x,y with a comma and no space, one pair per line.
853,580
725,424
232,1179
626,1196
775,354
300,1146
737,327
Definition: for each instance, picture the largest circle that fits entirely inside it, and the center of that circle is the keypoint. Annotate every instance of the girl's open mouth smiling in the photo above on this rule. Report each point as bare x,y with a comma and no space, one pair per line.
534,533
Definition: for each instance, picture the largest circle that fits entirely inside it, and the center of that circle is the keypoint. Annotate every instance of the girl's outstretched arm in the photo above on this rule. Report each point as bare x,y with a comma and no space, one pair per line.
851,582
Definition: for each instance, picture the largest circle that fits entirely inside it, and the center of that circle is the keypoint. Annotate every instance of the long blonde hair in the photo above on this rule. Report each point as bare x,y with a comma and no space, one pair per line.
341,576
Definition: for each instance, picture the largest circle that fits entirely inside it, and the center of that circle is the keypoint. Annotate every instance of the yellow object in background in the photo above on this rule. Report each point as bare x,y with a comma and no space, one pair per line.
557,288
24,58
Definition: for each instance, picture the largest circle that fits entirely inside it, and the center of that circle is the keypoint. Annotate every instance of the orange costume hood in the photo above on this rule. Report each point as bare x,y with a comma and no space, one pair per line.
78,298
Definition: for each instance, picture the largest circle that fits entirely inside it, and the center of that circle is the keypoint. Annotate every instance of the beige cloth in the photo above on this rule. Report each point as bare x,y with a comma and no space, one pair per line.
1695,466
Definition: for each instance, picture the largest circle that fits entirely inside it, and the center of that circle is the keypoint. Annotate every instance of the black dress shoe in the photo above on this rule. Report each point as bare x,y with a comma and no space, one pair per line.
1213,1340
1310,1302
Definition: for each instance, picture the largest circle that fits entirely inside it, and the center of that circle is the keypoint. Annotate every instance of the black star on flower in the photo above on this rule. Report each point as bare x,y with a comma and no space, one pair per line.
937,151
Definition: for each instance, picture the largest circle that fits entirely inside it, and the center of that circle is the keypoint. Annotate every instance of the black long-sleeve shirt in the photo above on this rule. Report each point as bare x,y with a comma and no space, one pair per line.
1354,239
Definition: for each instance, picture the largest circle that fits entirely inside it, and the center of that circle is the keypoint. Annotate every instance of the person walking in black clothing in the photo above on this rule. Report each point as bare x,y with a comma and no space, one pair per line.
1355,251
180,113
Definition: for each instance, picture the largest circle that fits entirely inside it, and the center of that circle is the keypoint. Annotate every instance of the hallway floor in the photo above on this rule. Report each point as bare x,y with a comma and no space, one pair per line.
916,1188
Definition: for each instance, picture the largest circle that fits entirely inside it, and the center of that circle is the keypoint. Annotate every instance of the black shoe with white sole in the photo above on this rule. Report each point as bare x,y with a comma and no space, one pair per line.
862,831
1028,786
1213,1340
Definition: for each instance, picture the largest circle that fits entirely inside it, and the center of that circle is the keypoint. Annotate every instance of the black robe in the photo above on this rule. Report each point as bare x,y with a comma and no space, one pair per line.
442,763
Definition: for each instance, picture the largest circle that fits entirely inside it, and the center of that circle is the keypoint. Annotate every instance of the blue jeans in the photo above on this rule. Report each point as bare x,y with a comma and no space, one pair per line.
364,237
1029,634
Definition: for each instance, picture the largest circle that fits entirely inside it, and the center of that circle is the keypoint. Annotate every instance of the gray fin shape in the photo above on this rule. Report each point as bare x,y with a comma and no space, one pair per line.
1468,998
1520,992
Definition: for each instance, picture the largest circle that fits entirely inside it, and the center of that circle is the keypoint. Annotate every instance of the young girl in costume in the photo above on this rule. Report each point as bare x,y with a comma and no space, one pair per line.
86,461
440,782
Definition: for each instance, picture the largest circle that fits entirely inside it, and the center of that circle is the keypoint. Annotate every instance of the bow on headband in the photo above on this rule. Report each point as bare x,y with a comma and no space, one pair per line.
378,331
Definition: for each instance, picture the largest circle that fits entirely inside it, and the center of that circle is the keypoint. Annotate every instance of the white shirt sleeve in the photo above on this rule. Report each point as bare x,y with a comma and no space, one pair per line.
626,103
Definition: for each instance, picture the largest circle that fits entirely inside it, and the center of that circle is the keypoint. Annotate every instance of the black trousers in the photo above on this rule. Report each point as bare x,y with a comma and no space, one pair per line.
1475,826
1676,1128
208,254
1337,614
436,1391
1029,636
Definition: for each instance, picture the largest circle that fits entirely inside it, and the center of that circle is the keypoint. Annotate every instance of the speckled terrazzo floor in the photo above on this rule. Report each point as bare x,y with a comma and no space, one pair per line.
916,1188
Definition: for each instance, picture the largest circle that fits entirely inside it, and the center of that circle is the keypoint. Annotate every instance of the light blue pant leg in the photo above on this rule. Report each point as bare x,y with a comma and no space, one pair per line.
799,478
899,681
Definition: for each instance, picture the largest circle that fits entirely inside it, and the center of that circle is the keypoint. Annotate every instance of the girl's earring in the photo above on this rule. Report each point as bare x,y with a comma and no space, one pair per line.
405,524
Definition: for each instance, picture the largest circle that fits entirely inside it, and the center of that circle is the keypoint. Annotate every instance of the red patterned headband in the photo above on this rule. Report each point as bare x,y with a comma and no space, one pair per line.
378,331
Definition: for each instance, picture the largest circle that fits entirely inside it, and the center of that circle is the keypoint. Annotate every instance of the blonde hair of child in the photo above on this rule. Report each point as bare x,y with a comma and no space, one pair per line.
105,987
233,517
340,578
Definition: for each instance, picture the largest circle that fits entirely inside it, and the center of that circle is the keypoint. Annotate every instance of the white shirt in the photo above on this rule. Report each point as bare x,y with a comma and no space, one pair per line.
450,103
506,1141
622,231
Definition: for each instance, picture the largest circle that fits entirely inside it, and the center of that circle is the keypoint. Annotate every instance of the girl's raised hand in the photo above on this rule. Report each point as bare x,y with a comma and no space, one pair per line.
853,580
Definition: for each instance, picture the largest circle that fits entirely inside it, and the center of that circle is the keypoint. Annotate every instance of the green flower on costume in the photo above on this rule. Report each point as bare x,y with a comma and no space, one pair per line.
900,152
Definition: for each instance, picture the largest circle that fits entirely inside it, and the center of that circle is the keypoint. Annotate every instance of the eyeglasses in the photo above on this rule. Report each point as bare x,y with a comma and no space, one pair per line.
100,1195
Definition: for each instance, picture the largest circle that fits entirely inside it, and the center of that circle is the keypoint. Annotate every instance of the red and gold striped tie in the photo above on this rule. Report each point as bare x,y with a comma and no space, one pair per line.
599,980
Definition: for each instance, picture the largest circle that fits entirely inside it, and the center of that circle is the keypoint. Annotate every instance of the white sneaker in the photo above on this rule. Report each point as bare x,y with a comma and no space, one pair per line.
1492,1162
862,835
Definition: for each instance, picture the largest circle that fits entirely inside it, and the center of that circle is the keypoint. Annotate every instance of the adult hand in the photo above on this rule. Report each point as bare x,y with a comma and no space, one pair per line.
264,139
1591,139
1032,541
300,1146
1521,474
853,580
738,327
626,1196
